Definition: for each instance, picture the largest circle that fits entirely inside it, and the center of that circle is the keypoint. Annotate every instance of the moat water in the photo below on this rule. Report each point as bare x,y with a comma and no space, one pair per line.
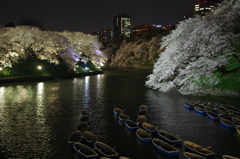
36,118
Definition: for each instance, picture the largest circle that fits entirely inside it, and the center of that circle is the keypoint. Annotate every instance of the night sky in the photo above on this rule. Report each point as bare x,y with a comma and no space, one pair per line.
92,15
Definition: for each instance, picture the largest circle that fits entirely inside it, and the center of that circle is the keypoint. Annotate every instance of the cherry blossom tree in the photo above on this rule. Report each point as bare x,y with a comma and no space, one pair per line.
196,49
26,42
135,53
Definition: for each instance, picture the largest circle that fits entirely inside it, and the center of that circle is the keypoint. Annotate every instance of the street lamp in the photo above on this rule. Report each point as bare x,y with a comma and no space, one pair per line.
39,67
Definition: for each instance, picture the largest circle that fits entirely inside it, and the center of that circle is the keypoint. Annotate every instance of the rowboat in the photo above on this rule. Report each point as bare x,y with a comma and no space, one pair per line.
189,155
90,137
105,150
168,137
140,119
229,157
83,126
238,128
76,136
131,125
227,123
143,107
85,118
189,105
142,112
84,112
143,135
213,116
117,111
199,149
200,110
208,108
236,120
122,117
149,128
84,151
165,147
228,107
225,115
234,113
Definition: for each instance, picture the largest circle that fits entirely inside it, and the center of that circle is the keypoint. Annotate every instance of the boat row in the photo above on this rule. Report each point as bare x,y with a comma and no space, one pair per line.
87,145
163,141
229,116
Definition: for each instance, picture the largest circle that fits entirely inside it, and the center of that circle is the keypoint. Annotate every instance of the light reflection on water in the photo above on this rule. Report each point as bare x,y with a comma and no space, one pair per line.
36,118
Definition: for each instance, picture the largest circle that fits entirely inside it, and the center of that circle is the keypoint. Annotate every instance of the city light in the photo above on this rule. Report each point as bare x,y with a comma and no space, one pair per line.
39,67
1,68
86,68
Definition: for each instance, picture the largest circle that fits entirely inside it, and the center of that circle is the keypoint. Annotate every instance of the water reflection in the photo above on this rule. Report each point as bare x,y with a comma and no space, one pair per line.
36,118
86,96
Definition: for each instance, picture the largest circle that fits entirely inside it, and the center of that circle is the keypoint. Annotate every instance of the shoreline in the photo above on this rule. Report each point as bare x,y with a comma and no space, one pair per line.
44,78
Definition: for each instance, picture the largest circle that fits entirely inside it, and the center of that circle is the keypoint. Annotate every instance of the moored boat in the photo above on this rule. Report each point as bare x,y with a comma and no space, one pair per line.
140,119
149,127
117,111
143,107
236,120
85,112
227,123
165,147
200,110
234,113
105,150
84,151
85,118
122,117
208,108
229,157
143,135
212,115
225,115
76,136
90,137
131,125
168,137
195,148
189,105
189,155
238,128
142,112
82,126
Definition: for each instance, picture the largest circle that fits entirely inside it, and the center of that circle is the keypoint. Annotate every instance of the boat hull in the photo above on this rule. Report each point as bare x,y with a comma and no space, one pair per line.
172,152
213,116
192,147
227,123
131,125
84,151
76,136
143,135
169,138
105,150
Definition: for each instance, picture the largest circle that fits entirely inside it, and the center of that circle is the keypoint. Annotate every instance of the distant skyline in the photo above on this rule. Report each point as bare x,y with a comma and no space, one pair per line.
92,15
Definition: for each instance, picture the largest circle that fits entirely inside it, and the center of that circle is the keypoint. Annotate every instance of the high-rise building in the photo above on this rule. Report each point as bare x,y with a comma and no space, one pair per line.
105,35
202,8
122,25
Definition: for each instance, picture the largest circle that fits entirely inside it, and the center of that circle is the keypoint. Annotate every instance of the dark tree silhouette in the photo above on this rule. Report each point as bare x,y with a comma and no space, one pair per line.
10,24
32,22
